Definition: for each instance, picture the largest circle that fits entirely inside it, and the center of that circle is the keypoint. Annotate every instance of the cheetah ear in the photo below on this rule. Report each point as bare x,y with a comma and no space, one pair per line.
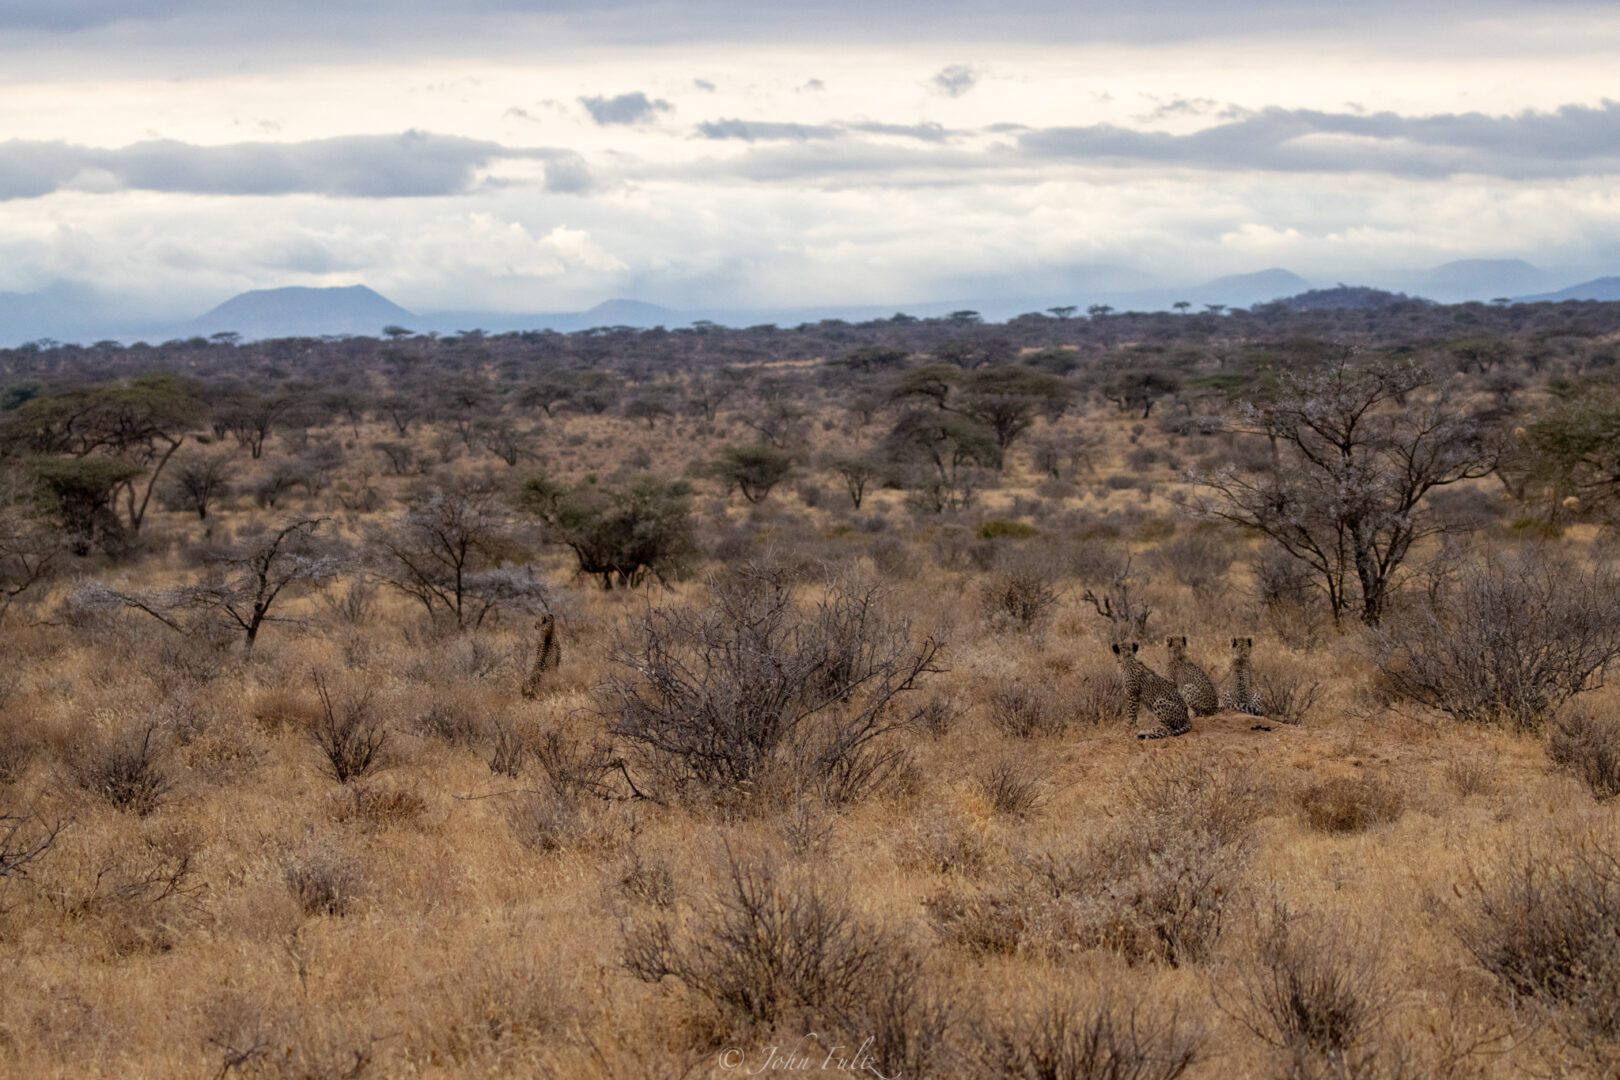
1115,647
1134,646
1184,640
1249,641
1234,643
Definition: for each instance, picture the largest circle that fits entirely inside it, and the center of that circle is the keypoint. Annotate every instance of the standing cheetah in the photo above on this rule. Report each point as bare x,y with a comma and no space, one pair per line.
547,655
1196,689
1143,685
1241,695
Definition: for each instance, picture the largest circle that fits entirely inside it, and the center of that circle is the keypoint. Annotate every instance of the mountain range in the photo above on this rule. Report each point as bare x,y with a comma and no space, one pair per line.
70,312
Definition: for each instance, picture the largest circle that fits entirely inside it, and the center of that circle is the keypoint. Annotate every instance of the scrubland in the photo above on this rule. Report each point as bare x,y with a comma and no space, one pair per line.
819,788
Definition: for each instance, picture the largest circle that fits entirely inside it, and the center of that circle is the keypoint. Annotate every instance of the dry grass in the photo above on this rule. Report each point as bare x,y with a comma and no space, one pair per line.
408,869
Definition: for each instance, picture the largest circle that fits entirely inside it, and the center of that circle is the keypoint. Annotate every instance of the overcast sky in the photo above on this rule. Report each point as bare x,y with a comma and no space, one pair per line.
536,156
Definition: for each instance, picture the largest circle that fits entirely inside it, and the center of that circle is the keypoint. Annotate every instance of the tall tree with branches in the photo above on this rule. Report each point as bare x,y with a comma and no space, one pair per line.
1359,448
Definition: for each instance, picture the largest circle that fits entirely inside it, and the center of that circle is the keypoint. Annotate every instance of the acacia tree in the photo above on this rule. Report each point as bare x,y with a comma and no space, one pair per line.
1359,449
451,552
199,482
622,534
754,470
946,455
141,424
249,576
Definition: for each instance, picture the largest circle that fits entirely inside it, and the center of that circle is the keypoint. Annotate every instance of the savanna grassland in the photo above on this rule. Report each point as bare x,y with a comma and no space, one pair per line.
834,773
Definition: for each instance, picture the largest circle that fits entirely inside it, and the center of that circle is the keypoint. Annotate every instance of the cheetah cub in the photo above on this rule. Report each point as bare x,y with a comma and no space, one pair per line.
1144,686
1241,695
1193,682
547,655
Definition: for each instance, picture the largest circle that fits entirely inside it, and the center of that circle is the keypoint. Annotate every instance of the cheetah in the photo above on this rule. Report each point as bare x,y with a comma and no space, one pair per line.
1142,685
1196,689
1241,695
547,655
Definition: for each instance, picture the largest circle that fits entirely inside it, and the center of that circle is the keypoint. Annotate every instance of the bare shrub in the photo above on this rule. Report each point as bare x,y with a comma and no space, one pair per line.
1025,712
1013,787
1285,693
1588,745
509,749
1317,996
322,880
546,822
936,717
1345,805
1105,1039
1018,598
125,770
24,839
767,949
1546,923
1506,640
713,698
353,605
454,719
349,733
647,881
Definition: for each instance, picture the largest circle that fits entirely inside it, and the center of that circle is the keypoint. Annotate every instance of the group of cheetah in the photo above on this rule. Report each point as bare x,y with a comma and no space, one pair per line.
1187,689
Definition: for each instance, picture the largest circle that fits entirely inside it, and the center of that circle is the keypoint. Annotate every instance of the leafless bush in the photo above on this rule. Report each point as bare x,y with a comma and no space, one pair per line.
138,892
353,605
349,733
936,717
766,949
648,881
546,822
713,698
1108,1038
1588,745
1120,601
24,839
1546,923
1317,996
1343,805
1025,712
1285,693
1506,640
1013,787
125,770
323,881
452,718
1019,597
509,749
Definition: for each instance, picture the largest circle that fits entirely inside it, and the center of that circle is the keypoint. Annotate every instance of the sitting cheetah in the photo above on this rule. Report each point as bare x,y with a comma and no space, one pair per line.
1196,689
1241,696
547,655
1143,685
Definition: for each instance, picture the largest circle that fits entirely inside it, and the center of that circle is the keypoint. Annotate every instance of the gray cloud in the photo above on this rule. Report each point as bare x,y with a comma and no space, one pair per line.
777,131
414,164
650,20
956,80
632,108
1574,140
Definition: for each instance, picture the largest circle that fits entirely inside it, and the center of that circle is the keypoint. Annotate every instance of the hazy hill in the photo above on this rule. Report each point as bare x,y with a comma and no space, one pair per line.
1477,279
298,311
1603,288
